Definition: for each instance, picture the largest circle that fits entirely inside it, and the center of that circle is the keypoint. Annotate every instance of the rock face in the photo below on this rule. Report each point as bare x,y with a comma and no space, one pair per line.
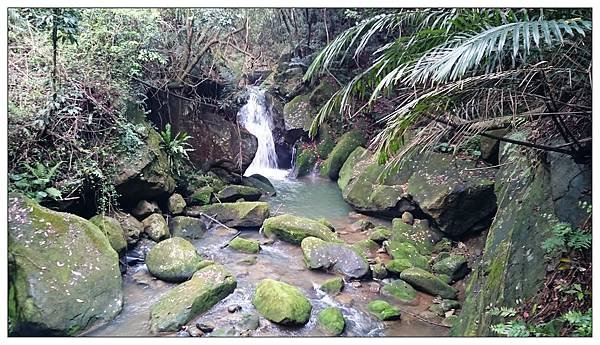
294,229
427,282
176,204
63,273
236,214
235,192
155,226
383,310
112,230
338,257
187,227
205,289
331,321
281,303
344,147
173,260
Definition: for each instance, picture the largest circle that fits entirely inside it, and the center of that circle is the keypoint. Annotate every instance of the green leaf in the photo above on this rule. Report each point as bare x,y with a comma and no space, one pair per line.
53,193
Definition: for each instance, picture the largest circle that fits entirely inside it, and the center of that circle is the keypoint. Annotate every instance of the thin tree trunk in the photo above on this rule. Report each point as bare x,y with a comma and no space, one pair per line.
325,22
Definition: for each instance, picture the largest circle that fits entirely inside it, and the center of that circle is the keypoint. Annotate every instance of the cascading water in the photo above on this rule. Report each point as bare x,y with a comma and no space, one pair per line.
255,117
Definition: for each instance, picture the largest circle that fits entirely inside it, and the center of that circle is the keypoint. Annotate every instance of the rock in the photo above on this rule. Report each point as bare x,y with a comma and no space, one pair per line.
383,310
401,291
294,229
489,147
204,327
249,322
408,218
356,284
374,287
326,223
244,245
131,226
349,168
234,308
454,266
111,228
248,261
440,309
331,321
176,204
444,245
281,303
187,227
183,333
195,332
420,234
186,301
235,192
333,286
380,234
201,196
260,182
304,162
155,226
145,208
236,214
450,320
379,271
367,248
63,274
138,253
407,251
339,257
427,282
398,265
362,225
173,260
344,147
225,332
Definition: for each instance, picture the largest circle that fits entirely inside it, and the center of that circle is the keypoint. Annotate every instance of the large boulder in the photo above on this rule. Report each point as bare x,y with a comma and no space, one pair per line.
187,227
131,226
427,282
112,230
339,257
281,303
235,214
155,226
236,192
63,274
173,260
401,291
344,147
206,288
454,266
294,229
260,182
349,166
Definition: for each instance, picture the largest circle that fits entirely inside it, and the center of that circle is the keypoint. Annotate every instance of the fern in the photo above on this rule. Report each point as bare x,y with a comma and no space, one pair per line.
176,147
581,322
503,312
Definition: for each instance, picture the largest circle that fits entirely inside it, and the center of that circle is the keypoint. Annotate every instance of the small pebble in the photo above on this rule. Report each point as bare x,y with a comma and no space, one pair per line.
234,308
374,287
356,284
205,328
195,332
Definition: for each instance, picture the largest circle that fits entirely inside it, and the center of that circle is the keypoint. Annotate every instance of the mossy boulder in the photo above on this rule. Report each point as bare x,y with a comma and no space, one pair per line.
244,245
260,182
176,203
236,192
304,162
383,310
406,251
419,234
111,228
235,214
173,260
344,147
186,301
339,257
333,286
380,234
379,271
326,223
187,227
298,113
454,266
444,306
331,321
201,196
366,247
349,167
155,226
294,229
325,142
398,265
131,226
281,303
401,291
427,282
63,274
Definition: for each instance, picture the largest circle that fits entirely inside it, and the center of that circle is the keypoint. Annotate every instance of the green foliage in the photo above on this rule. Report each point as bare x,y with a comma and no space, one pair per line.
511,329
65,21
574,289
582,323
565,238
36,181
176,147
503,311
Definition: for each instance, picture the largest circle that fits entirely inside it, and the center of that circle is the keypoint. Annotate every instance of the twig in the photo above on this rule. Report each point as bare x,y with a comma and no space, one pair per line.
231,239
214,220
423,319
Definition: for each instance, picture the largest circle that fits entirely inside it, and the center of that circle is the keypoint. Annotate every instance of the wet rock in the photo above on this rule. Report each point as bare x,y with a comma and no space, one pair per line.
304,162
155,226
401,291
195,332
176,204
445,305
333,286
235,192
345,299
205,327
234,308
138,253
236,214
380,234
398,265
331,321
408,218
245,246
131,226
294,229
406,251
379,271
201,196
374,287
225,332
173,260
111,228
326,223
281,303
144,208
187,227
367,248
248,261
183,333
338,257
427,282
356,284
63,273
260,182
249,322
383,310
344,147
206,288
454,266
362,225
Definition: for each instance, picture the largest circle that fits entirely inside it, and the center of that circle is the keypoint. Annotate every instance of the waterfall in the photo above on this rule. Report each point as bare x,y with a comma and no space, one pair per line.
255,117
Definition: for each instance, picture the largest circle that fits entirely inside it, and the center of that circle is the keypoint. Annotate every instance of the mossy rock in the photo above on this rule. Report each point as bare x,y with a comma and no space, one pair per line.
454,266
186,301
304,162
281,303
63,274
366,247
401,291
298,113
445,305
176,204
325,143
339,257
326,223
383,310
344,147
173,260
260,182
398,265
111,228
333,286
380,234
245,246
131,227
236,192
379,271
294,229
201,196
155,226
407,251
331,321
187,227
234,214
349,167
427,282
420,234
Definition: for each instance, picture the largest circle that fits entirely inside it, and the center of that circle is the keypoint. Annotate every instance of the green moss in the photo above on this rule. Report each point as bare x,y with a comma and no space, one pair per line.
454,266
427,282
294,229
380,234
331,320
244,245
235,214
365,247
281,303
173,260
398,265
383,310
333,286
407,251
400,290
305,161
349,168
347,143
202,195
112,230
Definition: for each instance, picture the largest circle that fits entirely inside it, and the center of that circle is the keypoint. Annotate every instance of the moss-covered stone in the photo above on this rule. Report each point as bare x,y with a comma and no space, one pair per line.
298,113
235,214
176,203
339,257
380,234
398,265
427,282
406,251
325,142
450,320
366,248
201,196
281,303
173,260
383,310
454,266
419,234
401,291
260,182
333,286
348,169
344,147
131,227
111,228
155,226
235,192
244,245
187,227
326,223
379,271
304,162
206,288
331,321
63,274
294,229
